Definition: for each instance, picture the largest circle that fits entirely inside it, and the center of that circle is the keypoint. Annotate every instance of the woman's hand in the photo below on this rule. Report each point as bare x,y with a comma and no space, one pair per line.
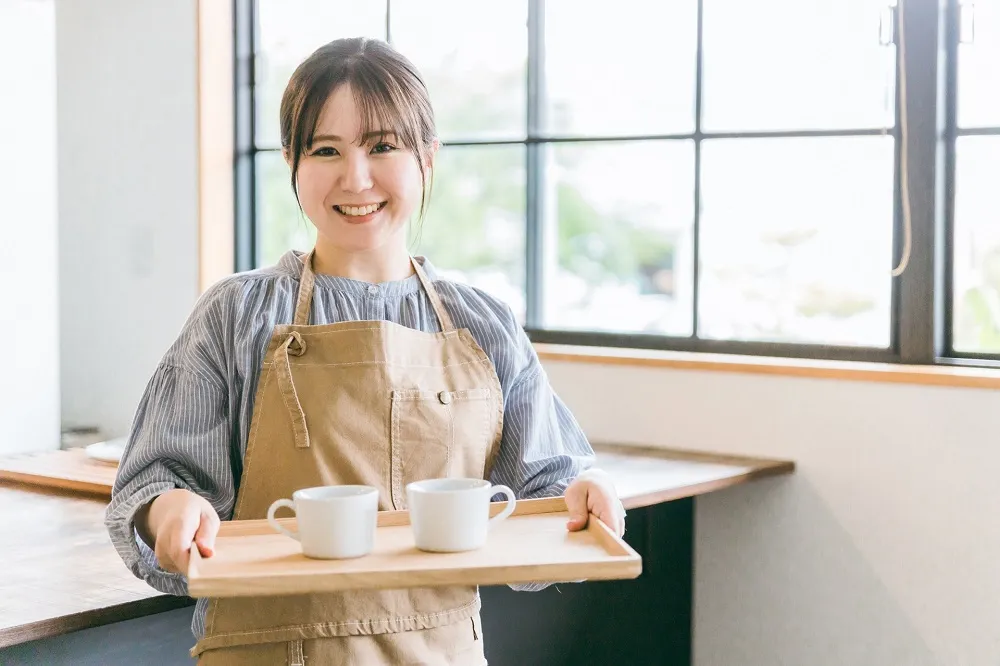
175,520
593,492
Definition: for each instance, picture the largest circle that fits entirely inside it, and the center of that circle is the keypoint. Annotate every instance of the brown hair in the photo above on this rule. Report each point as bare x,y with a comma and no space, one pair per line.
389,92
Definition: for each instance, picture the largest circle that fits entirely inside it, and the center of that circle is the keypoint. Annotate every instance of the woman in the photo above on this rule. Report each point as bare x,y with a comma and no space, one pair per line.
352,364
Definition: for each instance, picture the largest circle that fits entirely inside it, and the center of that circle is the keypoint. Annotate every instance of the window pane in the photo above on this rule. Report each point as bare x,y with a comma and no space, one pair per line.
621,259
796,240
290,30
473,57
796,64
979,66
977,245
649,85
474,228
280,225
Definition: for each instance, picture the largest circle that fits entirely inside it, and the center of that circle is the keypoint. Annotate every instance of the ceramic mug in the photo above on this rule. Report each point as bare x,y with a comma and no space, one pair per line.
335,522
453,515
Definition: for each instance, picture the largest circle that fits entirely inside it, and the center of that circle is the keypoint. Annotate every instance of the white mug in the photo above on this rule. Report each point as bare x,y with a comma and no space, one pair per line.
335,522
452,515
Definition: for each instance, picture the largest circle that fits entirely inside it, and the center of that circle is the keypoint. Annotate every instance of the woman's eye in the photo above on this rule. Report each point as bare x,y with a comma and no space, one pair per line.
324,152
383,147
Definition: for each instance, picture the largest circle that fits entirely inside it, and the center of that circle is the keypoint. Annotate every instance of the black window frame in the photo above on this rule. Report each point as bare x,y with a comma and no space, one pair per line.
922,299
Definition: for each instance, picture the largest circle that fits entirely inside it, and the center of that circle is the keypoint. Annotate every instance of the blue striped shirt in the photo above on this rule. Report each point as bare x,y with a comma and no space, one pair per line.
190,428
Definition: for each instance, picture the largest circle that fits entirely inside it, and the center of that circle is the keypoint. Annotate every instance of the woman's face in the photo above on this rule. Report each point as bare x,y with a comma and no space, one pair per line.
359,195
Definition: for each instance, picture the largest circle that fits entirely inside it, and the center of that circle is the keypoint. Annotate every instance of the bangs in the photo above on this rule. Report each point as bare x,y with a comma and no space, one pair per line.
384,107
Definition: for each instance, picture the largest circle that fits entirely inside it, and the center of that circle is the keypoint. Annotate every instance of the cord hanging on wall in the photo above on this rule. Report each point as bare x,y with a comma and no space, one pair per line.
904,177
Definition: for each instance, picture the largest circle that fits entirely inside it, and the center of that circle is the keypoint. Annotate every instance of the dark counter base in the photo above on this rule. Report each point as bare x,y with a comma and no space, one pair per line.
155,640
609,623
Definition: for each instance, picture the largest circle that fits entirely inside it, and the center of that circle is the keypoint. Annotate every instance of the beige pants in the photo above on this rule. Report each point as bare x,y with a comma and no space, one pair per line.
458,644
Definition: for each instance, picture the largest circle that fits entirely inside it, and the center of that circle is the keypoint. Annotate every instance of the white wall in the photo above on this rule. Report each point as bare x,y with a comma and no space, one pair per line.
29,325
128,204
882,550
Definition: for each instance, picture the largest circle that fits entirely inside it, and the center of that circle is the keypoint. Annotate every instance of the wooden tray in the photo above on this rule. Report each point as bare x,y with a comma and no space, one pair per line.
69,469
532,545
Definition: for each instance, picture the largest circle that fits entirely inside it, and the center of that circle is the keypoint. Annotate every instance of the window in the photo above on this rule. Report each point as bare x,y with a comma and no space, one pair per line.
712,175
976,246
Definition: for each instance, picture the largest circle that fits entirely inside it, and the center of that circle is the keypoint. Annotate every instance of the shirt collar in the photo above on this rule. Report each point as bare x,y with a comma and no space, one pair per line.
291,264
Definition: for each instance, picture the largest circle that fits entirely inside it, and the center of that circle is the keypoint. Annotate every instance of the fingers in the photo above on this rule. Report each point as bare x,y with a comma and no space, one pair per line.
576,503
592,496
206,533
187,520
182,560
612,513
174,543
613,517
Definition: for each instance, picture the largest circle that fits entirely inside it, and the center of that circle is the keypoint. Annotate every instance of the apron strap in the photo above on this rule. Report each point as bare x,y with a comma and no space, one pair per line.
306,283
295,345
308,279
443,317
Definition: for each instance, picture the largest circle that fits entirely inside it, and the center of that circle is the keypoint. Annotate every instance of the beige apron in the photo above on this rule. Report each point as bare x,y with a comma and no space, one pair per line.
361,402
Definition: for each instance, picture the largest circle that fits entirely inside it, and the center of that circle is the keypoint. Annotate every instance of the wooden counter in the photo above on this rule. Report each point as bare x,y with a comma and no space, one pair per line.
646,476
60,573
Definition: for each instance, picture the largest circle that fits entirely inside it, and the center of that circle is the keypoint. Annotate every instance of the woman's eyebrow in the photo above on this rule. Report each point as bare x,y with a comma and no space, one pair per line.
368,136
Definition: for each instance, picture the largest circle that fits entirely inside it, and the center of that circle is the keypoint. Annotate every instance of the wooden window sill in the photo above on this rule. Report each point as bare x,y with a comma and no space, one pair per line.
933,375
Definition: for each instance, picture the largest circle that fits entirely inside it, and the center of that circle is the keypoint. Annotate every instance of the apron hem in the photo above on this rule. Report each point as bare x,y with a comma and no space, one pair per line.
338,629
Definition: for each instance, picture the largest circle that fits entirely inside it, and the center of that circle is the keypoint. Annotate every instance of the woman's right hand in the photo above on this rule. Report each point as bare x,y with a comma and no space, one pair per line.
175,520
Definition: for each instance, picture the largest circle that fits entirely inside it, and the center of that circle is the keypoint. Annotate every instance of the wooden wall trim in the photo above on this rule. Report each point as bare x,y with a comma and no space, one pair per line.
932,375
215,141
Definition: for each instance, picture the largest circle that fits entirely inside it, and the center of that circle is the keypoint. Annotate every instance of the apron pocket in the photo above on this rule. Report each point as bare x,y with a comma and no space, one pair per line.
438,434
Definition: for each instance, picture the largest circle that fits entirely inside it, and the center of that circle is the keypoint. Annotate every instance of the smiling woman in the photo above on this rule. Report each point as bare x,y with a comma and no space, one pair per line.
328,369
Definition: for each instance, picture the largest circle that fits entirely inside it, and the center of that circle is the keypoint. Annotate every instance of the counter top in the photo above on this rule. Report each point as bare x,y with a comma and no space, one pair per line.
645,476
61,573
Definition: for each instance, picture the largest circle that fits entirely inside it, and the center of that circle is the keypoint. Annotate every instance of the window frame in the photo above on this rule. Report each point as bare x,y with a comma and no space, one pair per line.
921,315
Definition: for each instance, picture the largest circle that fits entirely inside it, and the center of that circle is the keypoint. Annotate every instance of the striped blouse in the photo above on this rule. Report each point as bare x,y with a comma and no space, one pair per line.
190,428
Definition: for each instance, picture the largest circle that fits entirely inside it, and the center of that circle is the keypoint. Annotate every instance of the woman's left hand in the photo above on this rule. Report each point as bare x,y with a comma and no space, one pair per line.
593,492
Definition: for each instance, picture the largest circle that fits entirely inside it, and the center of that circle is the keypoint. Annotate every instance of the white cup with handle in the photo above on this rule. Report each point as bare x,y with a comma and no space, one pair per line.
335,522
453,515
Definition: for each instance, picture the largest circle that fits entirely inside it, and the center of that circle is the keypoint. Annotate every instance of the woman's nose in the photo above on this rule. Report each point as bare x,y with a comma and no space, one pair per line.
357,175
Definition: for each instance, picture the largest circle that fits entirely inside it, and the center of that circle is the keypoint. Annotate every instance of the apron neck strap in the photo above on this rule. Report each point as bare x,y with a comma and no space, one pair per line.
308,280
306,283
443,317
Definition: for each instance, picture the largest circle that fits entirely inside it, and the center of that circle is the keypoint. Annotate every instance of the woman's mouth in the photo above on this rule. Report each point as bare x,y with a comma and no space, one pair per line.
358,214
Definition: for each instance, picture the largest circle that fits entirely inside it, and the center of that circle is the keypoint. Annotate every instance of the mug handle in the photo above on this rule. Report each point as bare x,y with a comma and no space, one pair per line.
277,504
509,509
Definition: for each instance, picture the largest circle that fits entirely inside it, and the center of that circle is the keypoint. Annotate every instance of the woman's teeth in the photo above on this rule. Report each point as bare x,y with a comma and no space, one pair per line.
358,210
